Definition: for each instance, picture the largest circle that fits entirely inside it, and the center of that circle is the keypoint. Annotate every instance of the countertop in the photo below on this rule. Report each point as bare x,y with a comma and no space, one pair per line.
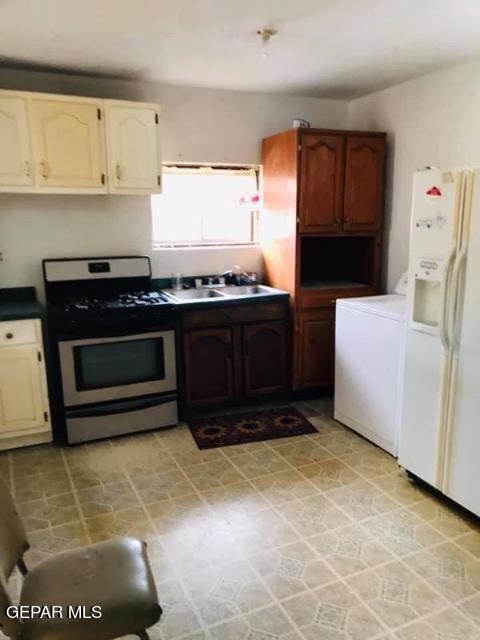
19,303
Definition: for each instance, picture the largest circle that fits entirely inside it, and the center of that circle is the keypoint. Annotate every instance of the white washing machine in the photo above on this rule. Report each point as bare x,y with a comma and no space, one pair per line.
369,362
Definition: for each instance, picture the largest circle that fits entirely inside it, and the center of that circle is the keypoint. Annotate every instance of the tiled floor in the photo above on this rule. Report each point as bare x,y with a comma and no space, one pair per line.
318,537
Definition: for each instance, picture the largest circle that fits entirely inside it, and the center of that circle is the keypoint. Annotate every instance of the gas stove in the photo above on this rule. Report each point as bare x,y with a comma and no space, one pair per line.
120,301
113,343
113,293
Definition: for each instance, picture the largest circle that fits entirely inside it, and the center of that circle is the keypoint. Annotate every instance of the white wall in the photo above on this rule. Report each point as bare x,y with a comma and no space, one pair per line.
198,125
434,121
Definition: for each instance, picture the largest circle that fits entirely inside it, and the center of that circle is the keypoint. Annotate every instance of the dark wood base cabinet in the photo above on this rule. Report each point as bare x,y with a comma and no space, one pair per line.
322,233
315,349
234,353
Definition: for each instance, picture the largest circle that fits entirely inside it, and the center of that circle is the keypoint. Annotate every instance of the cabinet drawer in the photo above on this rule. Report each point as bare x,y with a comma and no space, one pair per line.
18,332
225,316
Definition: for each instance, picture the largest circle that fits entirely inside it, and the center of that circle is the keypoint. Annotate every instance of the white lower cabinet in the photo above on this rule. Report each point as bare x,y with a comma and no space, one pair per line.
24,410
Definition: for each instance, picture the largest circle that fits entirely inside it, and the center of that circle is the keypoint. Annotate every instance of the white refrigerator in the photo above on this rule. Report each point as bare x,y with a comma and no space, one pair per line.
440,434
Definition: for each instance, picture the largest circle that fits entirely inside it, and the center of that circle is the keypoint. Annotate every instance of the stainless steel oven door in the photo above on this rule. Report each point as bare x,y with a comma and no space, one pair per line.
115,368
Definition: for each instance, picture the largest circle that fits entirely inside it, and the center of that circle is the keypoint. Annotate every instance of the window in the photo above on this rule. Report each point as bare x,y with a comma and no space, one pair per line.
206,205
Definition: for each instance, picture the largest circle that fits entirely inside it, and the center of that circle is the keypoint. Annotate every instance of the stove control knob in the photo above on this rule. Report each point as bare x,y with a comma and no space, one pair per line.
9,335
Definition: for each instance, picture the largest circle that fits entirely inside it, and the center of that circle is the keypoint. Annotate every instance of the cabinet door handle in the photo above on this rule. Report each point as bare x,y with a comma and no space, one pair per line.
44,169
9,335
118,171
27,168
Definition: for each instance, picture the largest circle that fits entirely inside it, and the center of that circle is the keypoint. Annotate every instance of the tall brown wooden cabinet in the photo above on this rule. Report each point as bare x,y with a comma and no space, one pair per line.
321,232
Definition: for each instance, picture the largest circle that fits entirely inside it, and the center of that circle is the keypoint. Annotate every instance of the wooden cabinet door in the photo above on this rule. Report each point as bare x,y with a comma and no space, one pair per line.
133,142
68,140
15,150
265,358
316,344
21,391
321,183
208,366
364,183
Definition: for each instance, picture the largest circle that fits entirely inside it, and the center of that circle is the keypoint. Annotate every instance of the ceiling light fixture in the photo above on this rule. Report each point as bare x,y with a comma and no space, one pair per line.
265,36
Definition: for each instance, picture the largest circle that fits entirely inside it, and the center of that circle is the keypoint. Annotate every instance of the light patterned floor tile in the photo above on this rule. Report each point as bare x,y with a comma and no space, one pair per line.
284,486
162,567
91,470
333,613
330,474
161,486
186,459
48,542
449,569
264,530
179,617
43,484
32,461
177,439
445,625
349,550
146,463
312,515
471,608
301,451
396,594
339,441
176,514
196,548
209,475
259,463
137,445
107,498
470,542
362,500
129,522
291,569
224,591
49,512
402,532
224,546
239,497
265,624
444,517
400,487
371,463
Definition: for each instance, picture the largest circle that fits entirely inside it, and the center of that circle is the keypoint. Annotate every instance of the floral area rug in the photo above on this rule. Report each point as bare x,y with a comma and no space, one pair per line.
222,431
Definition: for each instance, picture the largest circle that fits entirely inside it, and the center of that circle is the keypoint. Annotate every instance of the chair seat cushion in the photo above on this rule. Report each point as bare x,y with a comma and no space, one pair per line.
114,575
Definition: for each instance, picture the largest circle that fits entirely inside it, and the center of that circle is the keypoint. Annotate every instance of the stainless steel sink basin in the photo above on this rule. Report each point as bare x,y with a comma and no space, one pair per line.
247,290
195,294
202,295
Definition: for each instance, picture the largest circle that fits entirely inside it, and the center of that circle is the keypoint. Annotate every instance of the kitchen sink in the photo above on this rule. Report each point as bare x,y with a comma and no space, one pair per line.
186,296
247,290
195,294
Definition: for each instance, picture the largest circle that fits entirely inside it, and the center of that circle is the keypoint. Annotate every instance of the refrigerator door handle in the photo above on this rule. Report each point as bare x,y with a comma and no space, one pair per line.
452,329
443,324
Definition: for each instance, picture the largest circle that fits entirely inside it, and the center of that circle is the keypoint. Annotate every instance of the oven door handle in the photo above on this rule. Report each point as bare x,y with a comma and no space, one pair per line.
126,406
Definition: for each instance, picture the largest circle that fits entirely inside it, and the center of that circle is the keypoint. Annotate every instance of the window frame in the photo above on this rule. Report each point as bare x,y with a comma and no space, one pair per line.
213,167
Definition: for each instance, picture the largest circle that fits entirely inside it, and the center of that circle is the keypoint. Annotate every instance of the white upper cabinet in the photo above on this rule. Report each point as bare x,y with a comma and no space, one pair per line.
15,151
133,147
68,143
53,143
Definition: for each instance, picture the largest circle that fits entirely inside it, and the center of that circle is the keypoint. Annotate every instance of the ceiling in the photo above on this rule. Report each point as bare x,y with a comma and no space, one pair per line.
329,48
